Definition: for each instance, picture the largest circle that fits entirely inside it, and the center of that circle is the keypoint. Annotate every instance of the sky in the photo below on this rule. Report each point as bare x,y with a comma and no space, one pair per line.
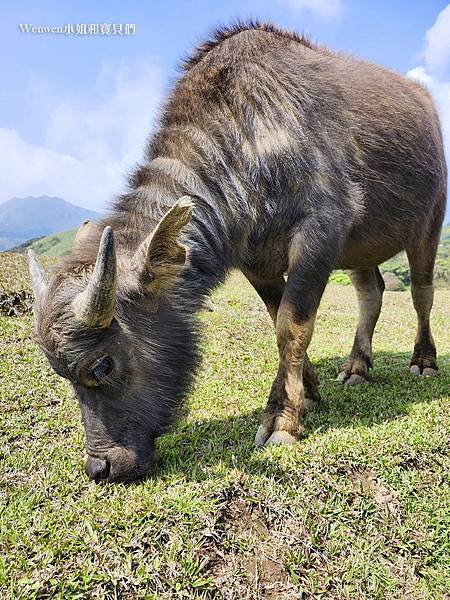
76,109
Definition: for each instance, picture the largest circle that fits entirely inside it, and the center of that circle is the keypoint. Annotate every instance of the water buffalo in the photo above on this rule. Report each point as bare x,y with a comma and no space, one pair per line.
289,159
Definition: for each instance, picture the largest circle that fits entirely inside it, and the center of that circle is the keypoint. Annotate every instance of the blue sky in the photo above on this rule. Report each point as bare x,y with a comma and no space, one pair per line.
75,110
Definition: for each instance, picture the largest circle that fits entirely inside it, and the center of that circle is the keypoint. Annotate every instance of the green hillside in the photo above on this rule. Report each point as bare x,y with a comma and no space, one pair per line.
56,244
398,265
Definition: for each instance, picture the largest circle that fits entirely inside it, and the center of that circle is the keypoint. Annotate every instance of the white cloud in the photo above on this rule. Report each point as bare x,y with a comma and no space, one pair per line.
33,170
329,9
440,90
437,39
420,74
432,74
90,140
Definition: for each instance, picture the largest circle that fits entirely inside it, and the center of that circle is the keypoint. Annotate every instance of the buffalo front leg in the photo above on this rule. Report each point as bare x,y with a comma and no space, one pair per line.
271,293
279,405
281,422
369,286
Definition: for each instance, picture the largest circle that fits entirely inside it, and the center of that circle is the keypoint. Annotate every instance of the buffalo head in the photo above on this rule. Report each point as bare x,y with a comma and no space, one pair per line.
115,329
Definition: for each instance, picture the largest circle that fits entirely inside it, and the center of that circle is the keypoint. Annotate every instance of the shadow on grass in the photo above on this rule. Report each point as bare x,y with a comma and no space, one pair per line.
195,446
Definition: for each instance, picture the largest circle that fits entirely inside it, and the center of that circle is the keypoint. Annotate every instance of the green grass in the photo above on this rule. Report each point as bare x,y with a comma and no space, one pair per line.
358,509
14,275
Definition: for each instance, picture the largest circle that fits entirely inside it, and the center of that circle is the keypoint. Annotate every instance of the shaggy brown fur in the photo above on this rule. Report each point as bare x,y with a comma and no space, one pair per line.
298,160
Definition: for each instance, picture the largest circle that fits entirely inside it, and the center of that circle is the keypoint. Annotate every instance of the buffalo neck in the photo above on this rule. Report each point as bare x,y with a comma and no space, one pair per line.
206,237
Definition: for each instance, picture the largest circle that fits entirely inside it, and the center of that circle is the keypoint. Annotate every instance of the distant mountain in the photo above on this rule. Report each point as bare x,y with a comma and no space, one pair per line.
22,219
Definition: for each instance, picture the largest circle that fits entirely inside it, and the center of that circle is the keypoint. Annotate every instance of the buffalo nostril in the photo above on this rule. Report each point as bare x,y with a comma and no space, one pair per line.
97,468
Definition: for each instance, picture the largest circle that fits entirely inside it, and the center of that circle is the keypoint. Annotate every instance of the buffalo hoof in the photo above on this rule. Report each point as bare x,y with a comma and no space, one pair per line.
351,378
355,379
426,372
429,372
281,438
261,437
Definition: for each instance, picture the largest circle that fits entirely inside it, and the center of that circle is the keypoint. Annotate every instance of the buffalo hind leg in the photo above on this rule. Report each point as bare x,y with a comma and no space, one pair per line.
369,287
421,263
271,293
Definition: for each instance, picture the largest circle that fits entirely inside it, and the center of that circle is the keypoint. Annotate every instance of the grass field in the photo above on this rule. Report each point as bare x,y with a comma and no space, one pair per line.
358,509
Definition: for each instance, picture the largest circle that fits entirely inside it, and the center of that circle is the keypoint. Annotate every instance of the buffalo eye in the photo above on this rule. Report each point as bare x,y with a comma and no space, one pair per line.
102,369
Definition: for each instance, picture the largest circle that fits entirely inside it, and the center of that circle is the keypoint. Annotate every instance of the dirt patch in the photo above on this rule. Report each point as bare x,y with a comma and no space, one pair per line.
246,550
366,482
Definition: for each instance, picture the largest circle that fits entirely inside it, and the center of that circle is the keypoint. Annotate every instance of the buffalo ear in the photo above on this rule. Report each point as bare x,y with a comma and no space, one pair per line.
161,258
83,233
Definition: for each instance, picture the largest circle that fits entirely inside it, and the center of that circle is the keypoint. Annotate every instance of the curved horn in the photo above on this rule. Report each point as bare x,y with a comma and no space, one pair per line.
39,280
95,306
